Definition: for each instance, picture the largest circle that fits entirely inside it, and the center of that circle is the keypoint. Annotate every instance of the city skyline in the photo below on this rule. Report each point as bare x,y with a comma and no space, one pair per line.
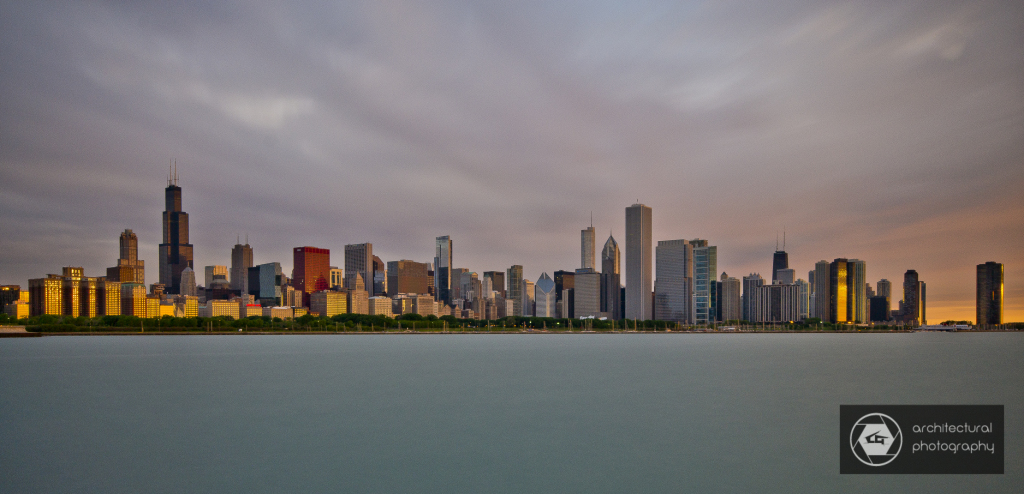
888,133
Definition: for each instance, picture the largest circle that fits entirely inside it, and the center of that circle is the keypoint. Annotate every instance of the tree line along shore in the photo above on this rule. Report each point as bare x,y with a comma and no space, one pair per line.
349,323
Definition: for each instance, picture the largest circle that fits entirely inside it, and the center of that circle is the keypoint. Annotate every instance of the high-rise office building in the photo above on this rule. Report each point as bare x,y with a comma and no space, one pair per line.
841,308
587,293
544,296
805,302
730,301
409,277
358,261
858,289
779,261
175,251
188,282
266,284
673,287
497,281
241,261
912,307
129,269
443,269
456,290
777,302
527,291
822,287
990,294
785,276
515,288
750,284
565,284
588,242
705,271
639,250
380,278
884,289
611,284
215,275
311,270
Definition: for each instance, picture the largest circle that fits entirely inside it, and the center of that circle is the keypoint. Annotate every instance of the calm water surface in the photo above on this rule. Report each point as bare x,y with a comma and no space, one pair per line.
480,413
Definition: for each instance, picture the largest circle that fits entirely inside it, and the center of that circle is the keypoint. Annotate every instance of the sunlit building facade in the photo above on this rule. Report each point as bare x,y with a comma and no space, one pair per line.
175,252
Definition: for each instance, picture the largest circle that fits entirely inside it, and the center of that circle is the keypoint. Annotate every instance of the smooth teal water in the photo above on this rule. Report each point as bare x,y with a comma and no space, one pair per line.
480,413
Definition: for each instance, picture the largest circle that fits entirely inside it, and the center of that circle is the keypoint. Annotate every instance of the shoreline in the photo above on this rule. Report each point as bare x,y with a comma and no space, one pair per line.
397,333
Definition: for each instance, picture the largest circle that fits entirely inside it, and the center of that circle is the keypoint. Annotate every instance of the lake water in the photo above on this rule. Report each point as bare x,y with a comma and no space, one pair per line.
480,413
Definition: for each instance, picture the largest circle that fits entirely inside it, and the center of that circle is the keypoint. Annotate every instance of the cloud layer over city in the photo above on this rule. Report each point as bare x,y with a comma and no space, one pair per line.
889,132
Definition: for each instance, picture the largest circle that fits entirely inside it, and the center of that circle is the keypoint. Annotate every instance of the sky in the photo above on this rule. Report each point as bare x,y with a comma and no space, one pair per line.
891,132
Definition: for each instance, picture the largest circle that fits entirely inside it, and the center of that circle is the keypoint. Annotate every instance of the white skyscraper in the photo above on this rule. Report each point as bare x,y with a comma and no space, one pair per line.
639,250
588,244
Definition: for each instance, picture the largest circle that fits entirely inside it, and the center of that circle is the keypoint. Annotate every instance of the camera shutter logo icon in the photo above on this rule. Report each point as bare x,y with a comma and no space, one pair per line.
876,439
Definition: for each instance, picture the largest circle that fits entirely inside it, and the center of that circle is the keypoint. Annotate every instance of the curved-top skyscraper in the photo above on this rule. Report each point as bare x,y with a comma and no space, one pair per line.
175,251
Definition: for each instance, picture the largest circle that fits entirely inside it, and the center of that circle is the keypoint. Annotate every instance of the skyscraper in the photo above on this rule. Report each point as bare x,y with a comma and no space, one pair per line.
841,309
544,296
673,287
497,281
129,269
587,293
911,310
858,289
750,284
822,287
527,292
443,269
241,261
188,282
884,289
408,277
611,283
515,288
175,251
311,271
639,247
705,271
588,242
358,260
990,294
730,301
779,261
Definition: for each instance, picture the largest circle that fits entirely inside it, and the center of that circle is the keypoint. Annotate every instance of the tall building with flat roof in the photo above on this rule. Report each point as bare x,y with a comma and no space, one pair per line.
780,260
587,294
912,308
588,244
673,288
822,290
841,309
443,269
990,294
527,292
750,284
407,277
515,288
241,261
311,271
266,284
639,275
730,301
175,251
358,261
705,271
497,281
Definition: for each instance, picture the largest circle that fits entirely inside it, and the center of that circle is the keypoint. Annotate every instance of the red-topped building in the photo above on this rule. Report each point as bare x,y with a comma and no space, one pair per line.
311,272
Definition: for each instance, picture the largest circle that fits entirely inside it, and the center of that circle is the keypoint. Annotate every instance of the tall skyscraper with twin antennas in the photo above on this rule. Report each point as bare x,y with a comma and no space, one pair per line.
175,251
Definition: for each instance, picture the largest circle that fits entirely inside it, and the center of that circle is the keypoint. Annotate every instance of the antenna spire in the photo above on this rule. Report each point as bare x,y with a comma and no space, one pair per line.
776,241
783,238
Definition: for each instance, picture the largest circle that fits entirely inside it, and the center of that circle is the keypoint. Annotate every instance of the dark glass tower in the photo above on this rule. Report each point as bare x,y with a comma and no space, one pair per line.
990,293
779,261
175,251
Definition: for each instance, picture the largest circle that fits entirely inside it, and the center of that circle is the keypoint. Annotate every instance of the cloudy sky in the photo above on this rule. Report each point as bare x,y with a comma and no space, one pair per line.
886,131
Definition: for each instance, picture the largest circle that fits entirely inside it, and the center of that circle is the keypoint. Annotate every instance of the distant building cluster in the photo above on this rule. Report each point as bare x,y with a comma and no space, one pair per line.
686,287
